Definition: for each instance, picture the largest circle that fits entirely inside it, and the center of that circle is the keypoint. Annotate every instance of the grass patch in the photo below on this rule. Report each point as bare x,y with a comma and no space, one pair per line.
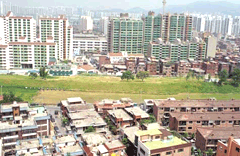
93,88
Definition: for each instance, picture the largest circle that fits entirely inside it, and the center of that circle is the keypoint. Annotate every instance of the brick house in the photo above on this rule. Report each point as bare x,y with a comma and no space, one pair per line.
210,68
182,68
151,66
120,118
231,148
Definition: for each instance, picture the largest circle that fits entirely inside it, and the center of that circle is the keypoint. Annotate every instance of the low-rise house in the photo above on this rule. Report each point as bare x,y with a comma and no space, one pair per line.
86,69
231,148
210,67
160,142
120,118
29,147
107,104
137,113
80,121
69,102
115,147
208,137
182,68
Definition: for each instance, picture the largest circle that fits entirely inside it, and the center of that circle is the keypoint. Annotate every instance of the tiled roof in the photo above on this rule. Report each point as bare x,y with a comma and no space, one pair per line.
219,133
86,67
115,54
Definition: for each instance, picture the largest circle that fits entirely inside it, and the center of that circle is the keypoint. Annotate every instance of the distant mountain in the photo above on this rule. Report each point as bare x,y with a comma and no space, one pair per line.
222,7
136,10
205,7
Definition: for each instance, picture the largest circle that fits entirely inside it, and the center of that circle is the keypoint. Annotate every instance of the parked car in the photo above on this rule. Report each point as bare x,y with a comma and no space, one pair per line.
56,129
52,119
56,112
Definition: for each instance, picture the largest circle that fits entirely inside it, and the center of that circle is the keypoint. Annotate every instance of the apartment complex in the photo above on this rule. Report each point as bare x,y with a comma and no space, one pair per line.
177,50
189,122
155,142
61,32
89,43
21,122
232,147
125,34
162,108
208,137
86,23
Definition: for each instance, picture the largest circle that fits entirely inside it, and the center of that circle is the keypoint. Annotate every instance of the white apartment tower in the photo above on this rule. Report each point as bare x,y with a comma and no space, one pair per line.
15,27
61,32
86,23
104,25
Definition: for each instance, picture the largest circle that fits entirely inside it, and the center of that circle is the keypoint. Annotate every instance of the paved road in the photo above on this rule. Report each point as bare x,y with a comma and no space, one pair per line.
58,122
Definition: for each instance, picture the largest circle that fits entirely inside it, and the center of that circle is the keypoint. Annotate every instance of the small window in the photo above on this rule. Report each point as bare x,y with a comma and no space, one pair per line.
180,150
190,122
237,149
225,151
198,121
168,153
156,155
223,121
157,137
230,121
189,127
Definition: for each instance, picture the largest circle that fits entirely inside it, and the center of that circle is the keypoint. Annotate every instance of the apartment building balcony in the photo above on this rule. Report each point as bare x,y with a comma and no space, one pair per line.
182,123
10,144
29,134
182,129
10,137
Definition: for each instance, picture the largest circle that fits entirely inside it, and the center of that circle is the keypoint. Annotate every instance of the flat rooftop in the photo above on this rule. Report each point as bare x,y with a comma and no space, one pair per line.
8,106
82,115
153,126
71,149
165,143
137,112
114,144
119,113
74,99
206,116
27,144
197,103
149,132
65,139
94,138
219,133
80,107
130,132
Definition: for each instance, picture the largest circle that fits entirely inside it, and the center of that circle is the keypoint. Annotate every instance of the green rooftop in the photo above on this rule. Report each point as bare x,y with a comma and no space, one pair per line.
149,132
162,144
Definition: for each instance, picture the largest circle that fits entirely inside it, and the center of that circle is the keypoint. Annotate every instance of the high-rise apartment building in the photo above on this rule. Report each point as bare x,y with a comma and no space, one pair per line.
15,27
86,23
61,32
104,25
177,50
125,34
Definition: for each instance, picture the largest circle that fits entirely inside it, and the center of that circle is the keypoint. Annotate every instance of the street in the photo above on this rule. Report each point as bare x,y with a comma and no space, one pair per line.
58,122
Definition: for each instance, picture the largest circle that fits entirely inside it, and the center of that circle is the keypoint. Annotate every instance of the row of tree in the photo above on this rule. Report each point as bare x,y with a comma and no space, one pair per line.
42,73
130,76
10,97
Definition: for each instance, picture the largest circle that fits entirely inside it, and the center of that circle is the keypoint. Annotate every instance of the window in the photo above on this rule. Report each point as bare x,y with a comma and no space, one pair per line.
225,151
189,127
237,149
168,153
157,137
190,122
230,121
142,151
198,121
180,150
156,155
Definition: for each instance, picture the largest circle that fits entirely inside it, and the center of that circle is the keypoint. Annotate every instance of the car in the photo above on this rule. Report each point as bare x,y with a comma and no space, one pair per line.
59,104
56,112
56,129
52,119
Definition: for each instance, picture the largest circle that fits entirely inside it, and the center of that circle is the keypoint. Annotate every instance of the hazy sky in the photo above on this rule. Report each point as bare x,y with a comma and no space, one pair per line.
101,4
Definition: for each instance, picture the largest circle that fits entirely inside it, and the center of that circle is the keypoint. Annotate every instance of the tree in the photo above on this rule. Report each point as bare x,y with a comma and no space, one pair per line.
185,135
223,75
193,135
127,75
68,154
90,129
209,152
188,76
64,120
209,77
10,97
236,77
142,75
125,141
192,150
199,152
43,73
33,75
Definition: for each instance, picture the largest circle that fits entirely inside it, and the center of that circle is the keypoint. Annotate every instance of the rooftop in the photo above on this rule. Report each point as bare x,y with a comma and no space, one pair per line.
137,112
93,138
164,143
197,103
130,132
119,113
74,99
71,149
27,144
65,139
80,107
149,132
114,144
206,116
152,126
219,133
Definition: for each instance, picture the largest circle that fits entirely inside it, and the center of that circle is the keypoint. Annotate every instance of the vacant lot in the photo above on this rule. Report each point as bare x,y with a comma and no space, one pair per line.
98,87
